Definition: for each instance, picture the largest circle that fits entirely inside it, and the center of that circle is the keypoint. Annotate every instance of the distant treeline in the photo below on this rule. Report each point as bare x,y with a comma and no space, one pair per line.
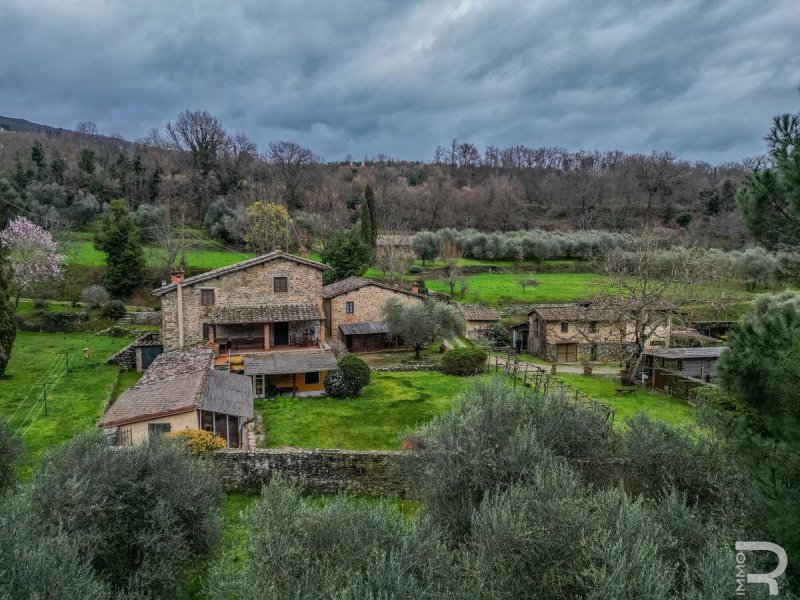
204,175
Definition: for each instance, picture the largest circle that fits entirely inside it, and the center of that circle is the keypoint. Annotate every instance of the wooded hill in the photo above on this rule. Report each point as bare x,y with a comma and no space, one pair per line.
206,176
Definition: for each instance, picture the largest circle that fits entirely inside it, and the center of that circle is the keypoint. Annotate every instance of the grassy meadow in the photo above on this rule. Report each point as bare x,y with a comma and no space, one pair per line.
76,392
393,406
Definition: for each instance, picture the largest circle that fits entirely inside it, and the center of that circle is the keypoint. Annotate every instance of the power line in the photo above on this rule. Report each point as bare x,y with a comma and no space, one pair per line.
50,369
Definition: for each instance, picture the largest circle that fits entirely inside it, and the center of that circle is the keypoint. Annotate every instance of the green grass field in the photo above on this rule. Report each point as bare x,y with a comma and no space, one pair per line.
75,398
657,405
503,288
395,405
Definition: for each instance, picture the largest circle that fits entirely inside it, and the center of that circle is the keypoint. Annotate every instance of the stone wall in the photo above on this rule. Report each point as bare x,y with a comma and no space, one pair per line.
250,286
322,471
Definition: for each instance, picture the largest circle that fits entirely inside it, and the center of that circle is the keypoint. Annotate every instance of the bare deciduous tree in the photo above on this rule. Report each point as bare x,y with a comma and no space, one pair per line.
292,161
201,135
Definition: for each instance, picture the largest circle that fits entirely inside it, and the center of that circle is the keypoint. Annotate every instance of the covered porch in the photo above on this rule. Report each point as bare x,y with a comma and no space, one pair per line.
295,373
239,329
368,337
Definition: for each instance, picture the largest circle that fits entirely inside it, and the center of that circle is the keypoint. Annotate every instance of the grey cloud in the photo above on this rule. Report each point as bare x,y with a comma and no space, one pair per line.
701,79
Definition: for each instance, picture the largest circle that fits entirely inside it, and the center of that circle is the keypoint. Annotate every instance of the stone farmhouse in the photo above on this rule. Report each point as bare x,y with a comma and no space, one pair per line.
564,332
354,312
181,390
261,317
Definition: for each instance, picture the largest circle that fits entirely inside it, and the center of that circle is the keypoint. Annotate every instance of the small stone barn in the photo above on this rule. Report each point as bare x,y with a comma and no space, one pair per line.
181,390
478,319
354,312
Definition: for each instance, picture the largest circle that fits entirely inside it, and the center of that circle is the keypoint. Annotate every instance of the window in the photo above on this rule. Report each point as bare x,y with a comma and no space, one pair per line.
156,430
349,307
207,297
592,326
281,284
564,327
312,377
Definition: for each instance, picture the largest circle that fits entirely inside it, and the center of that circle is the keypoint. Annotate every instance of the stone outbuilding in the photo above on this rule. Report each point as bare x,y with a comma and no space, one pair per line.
181,390
354,312
564,332
478,319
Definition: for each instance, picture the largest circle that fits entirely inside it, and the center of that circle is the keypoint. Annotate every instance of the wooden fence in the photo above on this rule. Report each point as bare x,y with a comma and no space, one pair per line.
537,380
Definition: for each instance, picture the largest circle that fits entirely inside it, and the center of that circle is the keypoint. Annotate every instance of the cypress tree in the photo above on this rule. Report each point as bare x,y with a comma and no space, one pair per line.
119,238
369,218
8,327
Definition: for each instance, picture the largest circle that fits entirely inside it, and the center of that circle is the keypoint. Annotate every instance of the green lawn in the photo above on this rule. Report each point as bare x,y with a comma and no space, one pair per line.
657,405
75,398
502,288
395,405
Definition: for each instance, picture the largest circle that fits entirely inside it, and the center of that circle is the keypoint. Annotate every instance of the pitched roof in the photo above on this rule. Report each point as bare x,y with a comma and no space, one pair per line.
228,393
266,313
353,283
293,361
569,312
169,397
684,353
365,328
476,312
178,382
245,264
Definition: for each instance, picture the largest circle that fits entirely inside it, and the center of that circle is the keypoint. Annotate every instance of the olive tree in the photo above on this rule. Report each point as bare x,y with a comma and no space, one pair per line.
423,322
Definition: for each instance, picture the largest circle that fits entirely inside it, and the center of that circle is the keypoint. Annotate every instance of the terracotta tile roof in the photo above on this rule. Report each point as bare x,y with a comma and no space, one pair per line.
293,361
476,312
245,264
267,313
569,312
353,283
685,353
178,382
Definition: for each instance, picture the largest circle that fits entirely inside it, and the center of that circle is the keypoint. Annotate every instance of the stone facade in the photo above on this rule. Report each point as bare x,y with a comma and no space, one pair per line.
246,287
603,344
368,304
321,471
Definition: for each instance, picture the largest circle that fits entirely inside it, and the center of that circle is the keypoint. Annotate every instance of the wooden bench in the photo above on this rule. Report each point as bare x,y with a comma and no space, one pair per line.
625,390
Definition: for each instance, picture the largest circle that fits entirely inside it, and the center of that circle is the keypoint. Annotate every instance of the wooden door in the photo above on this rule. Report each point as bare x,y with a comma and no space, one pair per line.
567,353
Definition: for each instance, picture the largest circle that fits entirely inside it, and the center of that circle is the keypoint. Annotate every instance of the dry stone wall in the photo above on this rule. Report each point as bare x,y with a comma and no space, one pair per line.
321,471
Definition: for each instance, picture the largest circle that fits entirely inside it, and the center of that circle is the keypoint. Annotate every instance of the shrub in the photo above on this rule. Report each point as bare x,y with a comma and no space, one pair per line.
469,360
40,304
415,269
198,441
114,309
95,296
349,378
142,515
499,334
343,549
37,564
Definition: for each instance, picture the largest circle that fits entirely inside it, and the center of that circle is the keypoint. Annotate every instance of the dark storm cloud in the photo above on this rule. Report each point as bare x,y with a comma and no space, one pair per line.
699,79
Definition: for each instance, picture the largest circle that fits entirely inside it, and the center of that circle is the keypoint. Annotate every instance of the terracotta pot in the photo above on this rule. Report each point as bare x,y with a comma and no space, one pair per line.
587,370
625,377
442,348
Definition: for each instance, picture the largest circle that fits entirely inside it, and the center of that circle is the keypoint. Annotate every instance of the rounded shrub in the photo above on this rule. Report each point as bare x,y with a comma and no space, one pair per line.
349,378
198,441
415,269
94,296
464,361
115,309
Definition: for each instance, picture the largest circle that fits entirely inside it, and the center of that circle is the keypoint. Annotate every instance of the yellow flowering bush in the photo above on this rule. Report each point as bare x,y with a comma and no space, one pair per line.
198,441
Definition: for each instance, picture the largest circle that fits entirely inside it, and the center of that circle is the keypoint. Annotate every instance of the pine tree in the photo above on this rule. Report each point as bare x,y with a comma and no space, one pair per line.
8,327
119,238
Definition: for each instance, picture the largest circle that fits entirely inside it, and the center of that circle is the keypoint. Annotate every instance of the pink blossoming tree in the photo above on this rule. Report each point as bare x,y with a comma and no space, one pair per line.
32,254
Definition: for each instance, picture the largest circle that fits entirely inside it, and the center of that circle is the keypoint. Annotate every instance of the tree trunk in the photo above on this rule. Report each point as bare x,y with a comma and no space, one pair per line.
416,351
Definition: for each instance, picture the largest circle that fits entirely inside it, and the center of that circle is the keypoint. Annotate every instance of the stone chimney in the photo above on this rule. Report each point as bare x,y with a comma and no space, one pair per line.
176,276
415,288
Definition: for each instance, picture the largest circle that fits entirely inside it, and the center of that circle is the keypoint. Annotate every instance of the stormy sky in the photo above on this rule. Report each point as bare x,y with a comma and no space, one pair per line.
701,79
